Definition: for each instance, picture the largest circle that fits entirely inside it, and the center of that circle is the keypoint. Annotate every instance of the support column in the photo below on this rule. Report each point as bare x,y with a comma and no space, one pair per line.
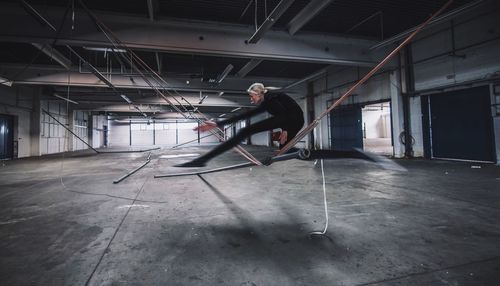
90,130
310,113
408,89
35,121
396,112
71,126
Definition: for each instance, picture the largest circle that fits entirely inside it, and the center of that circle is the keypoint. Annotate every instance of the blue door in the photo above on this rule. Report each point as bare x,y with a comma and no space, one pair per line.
6,137
346,129
461,125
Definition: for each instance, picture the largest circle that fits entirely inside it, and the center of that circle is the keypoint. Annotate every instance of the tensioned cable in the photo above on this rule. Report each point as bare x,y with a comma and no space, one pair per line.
158,79
14,78
348,93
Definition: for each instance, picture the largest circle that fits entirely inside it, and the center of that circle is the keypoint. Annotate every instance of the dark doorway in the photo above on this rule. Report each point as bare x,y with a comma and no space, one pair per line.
345,127
6,136
461,125
105,135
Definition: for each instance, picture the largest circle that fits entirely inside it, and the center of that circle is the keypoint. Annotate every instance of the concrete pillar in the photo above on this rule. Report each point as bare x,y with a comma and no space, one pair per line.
90,130
397,113
310,113
71,125
35,122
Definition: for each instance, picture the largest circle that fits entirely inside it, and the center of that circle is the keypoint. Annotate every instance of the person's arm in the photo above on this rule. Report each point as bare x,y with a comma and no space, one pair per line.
247,114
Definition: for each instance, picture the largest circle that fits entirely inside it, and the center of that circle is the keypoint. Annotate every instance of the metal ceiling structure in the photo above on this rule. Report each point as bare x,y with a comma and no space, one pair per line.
209,46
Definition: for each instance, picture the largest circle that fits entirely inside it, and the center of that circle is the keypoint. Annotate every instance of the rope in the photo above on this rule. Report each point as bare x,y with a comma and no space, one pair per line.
325,203
315,122
113,39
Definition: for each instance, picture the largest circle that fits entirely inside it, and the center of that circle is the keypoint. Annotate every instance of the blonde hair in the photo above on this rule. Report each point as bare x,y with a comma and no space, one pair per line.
257,87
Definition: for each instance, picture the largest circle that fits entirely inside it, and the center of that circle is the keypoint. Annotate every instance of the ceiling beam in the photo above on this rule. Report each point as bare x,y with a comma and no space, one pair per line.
272,18
248,67
206,38
306,14
41,75
54,54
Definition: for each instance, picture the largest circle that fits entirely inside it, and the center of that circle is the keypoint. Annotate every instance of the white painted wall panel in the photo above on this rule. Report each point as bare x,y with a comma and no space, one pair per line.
261,139
118,134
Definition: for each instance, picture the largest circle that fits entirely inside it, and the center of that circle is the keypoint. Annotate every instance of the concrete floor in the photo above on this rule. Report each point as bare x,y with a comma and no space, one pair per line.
63,222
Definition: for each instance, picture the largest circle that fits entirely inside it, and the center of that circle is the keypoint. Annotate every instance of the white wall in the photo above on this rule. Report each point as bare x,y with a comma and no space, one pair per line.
477,41
165,133
376,120
118,134
80,128
262,138
98,122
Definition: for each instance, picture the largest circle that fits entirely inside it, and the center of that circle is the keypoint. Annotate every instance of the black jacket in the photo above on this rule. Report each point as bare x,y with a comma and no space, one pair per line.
278,104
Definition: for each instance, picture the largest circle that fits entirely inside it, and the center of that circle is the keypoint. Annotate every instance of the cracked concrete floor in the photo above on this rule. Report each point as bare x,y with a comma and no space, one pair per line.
63,222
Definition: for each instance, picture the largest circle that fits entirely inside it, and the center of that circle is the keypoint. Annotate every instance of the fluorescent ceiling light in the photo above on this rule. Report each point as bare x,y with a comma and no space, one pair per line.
5,81
126,98
105,50
203,99
222,115
63,98
236,109
226,71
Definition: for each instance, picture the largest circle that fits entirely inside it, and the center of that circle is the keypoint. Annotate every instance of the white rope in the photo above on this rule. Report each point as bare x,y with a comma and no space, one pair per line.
324,188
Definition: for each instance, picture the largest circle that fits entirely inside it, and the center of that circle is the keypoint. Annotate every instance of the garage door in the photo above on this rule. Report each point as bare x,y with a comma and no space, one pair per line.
461,125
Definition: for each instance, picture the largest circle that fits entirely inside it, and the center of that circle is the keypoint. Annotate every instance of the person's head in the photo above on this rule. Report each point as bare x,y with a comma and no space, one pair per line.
256,92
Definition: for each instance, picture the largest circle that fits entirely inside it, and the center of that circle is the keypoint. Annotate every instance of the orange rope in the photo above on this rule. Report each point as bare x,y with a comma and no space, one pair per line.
315,122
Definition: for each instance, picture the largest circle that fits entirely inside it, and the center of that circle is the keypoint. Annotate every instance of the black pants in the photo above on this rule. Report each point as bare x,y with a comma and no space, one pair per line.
271,123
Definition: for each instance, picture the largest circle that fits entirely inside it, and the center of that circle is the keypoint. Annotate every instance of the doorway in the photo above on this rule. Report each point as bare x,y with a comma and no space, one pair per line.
6,137
460,125
377,131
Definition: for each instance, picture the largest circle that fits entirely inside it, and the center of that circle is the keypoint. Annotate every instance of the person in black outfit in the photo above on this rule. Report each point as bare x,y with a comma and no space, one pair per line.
286,114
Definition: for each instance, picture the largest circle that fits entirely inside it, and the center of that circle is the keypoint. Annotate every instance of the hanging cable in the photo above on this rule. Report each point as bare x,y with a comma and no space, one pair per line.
160,82
348,93
255,16
325,203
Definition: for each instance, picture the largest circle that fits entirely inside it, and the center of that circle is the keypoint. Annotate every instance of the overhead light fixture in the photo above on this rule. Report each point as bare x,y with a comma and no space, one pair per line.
5,81
126,98
63,98
203,99
226,71
236,109
106,50
222,115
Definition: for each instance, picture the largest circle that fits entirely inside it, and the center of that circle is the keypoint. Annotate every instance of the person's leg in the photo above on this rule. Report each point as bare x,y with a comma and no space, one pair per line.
264,125
292,132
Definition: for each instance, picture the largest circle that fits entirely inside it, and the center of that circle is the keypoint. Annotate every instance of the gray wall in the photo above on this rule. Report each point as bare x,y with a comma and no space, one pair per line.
437,67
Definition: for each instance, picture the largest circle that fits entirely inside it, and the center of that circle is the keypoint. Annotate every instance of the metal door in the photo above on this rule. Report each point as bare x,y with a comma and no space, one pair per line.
461,125
346,129
6,136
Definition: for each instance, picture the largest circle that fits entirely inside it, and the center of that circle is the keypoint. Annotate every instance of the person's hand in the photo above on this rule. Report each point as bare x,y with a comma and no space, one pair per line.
283,137
206,126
